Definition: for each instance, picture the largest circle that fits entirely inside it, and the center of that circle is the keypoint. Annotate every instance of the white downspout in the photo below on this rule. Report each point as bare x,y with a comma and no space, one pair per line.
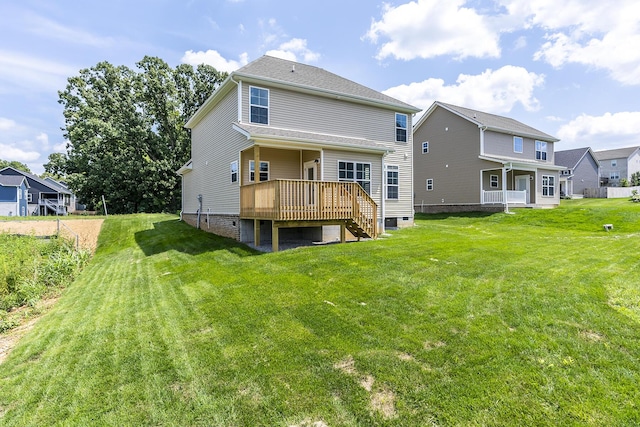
482,129
383,193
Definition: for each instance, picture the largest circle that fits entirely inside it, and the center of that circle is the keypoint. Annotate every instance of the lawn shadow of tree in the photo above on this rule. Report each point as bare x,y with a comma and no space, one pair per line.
179,236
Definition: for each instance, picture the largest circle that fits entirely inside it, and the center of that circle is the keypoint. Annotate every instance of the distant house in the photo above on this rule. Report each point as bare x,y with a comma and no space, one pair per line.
44,197
283,149
468,160
618,164
13,195
582,171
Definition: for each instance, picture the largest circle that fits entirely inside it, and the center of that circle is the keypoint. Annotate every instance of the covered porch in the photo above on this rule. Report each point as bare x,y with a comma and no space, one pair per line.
505,186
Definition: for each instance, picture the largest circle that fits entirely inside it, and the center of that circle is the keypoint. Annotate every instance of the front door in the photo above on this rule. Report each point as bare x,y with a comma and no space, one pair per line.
523,184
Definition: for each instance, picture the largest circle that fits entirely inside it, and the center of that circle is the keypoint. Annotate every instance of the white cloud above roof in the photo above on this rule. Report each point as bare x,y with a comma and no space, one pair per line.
215,59
620,129
430,28
294,50
14,153
491,91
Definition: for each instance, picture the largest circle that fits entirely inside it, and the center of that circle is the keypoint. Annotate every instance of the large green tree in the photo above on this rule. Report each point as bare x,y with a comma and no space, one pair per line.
126,132
14,164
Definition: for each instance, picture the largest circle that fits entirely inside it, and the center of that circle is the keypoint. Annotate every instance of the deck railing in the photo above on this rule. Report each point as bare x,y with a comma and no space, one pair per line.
497,197
301,200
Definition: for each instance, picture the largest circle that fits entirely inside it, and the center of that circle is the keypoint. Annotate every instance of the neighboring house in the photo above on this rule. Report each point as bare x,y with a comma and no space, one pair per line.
618,164
70,200
468,160
283,149
13,195
44,198
582,171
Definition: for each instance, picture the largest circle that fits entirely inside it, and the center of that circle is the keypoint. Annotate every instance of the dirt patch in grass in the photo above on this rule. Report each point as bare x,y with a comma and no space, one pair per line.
86,229
383,402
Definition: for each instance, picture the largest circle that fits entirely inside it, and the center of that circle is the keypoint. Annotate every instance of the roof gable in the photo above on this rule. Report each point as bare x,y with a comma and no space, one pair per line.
30,177
571,158
303,78
13,181
491,122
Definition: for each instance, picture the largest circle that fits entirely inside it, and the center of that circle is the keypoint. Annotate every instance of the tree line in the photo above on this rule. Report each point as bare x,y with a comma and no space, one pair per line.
126,135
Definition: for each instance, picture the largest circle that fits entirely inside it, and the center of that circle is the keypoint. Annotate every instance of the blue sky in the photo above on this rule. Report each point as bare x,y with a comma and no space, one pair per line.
570,68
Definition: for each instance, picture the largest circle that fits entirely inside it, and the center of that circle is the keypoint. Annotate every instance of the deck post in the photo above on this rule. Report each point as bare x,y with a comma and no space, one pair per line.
256,232
343,234
274,236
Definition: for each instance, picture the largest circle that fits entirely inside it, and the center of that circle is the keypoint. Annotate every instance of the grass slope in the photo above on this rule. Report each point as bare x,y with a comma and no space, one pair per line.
528,319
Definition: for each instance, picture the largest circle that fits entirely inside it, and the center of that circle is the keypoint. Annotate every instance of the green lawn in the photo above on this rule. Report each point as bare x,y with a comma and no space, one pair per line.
471,320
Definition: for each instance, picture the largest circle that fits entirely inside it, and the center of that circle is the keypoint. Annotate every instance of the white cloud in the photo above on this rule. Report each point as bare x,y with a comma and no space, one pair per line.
9,152
6,124
291,49
52,30
431,28
213,58
61,147
43,139
21,71
492,91
589,32
602,132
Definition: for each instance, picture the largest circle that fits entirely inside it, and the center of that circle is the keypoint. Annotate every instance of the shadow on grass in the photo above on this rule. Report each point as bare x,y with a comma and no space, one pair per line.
440,216
179,236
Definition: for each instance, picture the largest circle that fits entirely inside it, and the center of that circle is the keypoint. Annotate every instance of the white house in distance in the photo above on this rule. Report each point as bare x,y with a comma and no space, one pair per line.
287,150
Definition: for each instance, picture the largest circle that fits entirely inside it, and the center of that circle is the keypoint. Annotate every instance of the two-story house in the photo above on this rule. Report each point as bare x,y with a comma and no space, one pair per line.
468,160
582,171
618,164
13,195
44,197
287,150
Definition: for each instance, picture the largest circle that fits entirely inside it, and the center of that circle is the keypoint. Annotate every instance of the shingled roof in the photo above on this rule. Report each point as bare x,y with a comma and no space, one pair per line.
618,153
493,122
12,180
570,158
309,77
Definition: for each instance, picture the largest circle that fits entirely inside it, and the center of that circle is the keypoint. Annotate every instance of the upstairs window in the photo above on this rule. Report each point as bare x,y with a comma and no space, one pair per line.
392,182
517,144
234,171
541,150
425,147
264,171
401,127
259,104
614,163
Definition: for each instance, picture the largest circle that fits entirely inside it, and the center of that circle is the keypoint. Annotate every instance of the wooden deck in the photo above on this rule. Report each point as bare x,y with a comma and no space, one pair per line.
304,203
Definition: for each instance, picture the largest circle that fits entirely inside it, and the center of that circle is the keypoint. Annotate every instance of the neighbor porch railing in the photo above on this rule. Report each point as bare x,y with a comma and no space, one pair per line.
301,200
497,197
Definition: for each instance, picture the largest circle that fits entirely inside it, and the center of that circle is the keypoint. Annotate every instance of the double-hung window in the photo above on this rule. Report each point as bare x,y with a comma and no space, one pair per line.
259,104
517,144
429,184
614,163
401,127
392,182
493,181
614,175
234,171
264,171
548,185
354,171
541,150
425,147
29,197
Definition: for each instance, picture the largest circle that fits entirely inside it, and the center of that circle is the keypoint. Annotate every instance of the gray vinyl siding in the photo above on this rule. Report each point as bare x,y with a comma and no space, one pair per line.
452,161
283,164
541,200
215,144
585,175
501,145
310,113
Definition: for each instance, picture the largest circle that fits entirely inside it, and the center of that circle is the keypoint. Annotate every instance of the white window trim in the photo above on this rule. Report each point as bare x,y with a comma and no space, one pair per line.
425,144
252,168
355,172
541,150
231,166
406,128
492,181
614,163
549,186
268,107
521,144
429,183
392,168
